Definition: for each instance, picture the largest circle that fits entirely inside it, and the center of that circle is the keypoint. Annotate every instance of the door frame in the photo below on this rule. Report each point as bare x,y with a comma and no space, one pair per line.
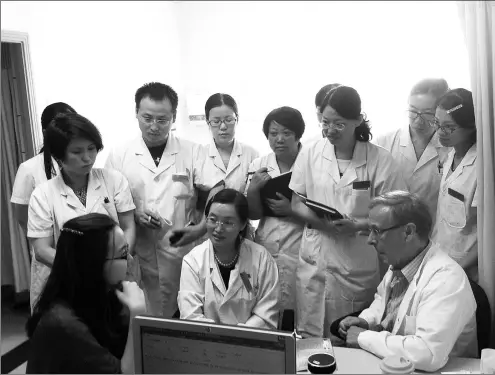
22,38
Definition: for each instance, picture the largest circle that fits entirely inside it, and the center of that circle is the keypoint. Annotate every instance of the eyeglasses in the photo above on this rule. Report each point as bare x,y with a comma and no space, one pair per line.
379,232
340,126
228,121
425,116
159,121
124,254
214,223
447,129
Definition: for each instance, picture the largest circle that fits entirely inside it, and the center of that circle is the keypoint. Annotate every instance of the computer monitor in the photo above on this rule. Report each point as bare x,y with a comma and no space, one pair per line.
172,346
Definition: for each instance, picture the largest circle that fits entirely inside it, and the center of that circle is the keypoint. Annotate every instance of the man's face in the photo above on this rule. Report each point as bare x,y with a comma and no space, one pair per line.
386,236
155,120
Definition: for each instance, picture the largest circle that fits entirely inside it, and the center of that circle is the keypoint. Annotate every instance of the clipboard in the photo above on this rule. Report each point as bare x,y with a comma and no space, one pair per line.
320,209
279,184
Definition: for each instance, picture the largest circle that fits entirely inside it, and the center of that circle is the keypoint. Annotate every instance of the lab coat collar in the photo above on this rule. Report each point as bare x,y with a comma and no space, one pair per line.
406,304
272,164
235,156
243,265
235,283
215,275
431,151
358,160
406,145
468,160
92,195
168,156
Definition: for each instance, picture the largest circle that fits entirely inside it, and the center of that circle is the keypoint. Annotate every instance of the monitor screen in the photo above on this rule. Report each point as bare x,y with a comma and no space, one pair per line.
184,351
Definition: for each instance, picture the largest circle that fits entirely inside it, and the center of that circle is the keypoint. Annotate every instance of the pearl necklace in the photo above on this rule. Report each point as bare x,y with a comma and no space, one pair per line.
226,265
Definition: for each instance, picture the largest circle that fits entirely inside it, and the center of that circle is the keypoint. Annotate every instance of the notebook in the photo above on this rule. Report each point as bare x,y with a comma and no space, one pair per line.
320,209
279,184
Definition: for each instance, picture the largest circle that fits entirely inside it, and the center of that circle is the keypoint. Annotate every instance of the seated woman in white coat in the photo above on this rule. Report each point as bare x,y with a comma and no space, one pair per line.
229,279
79,189
279,231
455,227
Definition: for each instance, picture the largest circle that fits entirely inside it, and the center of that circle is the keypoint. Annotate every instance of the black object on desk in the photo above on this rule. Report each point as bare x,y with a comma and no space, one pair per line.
322,363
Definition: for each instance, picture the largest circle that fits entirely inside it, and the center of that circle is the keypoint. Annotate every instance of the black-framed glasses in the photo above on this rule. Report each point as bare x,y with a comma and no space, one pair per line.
228,121
425,116
447,129
379,232
123,256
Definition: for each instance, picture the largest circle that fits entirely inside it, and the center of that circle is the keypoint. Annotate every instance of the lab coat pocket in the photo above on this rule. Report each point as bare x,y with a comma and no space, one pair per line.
359,202
247,300
310,245
455,214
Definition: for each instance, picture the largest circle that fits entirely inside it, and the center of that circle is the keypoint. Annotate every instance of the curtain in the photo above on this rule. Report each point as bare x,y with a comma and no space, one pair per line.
15,253
477,22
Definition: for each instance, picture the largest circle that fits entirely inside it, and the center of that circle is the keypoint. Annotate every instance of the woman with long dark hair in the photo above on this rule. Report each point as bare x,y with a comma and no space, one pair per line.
36,170
456,222
81,322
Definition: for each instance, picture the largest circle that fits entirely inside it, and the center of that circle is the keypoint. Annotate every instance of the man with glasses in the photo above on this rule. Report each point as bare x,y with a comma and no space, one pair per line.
416,146
161,170
424,308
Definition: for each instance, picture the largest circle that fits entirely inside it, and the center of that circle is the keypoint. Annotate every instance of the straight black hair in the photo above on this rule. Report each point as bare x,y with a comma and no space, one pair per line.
77,277
49,113
347,103
219,99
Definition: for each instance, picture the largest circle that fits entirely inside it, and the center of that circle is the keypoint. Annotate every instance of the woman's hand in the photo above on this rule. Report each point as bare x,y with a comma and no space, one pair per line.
281,206
260,178
132,296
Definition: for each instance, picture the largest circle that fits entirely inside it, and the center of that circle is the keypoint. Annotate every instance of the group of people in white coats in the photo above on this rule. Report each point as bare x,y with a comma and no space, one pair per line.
185,208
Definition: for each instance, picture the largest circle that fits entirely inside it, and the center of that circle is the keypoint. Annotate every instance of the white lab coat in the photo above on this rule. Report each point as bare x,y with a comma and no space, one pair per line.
436,318
169,190
338,275
29,175
203,295
53,203
456,226
422,176
281,236
236,173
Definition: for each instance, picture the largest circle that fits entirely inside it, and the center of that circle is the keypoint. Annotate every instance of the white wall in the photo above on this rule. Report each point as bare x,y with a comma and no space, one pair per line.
269,54
95,55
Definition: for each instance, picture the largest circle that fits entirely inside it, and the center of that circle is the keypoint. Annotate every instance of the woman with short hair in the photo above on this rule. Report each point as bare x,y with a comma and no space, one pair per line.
74,143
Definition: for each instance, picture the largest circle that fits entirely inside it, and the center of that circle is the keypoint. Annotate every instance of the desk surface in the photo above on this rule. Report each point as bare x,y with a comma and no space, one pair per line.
358,361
